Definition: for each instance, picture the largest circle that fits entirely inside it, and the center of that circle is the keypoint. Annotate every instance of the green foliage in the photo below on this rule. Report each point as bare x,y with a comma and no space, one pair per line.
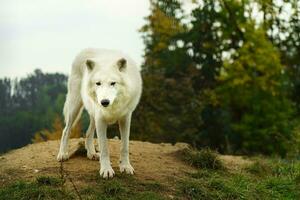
286,37
28,105
236,75
163,26
252,92
167,117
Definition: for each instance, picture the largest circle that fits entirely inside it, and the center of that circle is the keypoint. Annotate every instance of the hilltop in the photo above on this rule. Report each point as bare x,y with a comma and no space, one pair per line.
161,172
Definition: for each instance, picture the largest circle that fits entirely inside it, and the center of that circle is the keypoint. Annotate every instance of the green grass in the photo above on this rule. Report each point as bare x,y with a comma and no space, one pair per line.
275,167
266,178
33,190
121,187
126,187
47,180
204,158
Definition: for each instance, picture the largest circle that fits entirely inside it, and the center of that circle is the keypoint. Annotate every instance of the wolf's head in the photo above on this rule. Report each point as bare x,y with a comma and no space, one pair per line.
106,82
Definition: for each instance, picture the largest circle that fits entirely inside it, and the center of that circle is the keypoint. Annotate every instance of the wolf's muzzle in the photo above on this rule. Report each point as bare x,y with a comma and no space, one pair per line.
105,102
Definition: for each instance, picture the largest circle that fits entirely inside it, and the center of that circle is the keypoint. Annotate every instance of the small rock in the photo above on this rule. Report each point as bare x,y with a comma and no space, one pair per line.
182,145
116,138
36,171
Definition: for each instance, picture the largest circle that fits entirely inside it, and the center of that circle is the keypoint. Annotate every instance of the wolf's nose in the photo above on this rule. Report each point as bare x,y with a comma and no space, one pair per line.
105,102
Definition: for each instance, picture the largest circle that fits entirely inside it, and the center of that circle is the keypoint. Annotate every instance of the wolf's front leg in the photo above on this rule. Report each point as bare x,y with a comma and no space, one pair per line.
106,170
124,126
63,149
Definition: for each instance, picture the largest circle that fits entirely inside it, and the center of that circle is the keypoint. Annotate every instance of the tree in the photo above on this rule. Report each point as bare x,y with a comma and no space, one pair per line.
5,93
254,94
168,111
162,52
216,32
167,81
28,105
233,70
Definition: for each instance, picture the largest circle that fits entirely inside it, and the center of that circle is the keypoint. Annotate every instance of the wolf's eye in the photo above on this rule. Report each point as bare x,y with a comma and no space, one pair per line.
98,83
113,83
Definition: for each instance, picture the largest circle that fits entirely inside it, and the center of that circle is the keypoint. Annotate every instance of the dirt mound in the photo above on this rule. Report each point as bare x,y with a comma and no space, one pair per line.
151,161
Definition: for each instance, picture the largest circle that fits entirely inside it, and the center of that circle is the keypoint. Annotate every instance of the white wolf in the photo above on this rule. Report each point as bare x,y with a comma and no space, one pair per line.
108,84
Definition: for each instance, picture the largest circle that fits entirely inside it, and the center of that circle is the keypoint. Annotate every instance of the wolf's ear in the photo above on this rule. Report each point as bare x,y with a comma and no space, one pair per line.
122,64
90,64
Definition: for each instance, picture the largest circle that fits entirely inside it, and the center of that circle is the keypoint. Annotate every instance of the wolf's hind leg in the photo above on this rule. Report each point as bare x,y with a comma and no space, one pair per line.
72,111
89,141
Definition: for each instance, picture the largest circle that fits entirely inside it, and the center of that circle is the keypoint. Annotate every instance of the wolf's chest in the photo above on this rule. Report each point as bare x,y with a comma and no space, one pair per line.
116,111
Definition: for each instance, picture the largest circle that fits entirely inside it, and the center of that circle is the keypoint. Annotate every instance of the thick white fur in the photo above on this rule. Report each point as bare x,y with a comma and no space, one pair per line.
84,92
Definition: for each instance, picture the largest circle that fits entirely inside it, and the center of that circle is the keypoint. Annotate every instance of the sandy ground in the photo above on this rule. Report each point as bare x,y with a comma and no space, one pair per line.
157,162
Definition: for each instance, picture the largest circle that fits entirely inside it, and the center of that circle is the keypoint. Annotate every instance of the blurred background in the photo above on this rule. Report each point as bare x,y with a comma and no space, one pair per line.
217,73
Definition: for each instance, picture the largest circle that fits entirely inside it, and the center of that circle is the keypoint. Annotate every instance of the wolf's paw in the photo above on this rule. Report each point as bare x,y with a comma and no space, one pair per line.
107,172
62,156
127,168
93,156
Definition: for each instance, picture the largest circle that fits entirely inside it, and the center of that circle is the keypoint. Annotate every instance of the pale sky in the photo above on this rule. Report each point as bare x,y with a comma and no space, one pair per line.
47,34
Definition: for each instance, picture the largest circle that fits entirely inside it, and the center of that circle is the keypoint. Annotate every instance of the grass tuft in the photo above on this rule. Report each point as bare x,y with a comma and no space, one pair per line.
205,158
195,190
47,180
275,167
113,187
259,168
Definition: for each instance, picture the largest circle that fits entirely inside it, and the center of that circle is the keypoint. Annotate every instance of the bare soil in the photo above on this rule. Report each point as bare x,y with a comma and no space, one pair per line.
157,162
